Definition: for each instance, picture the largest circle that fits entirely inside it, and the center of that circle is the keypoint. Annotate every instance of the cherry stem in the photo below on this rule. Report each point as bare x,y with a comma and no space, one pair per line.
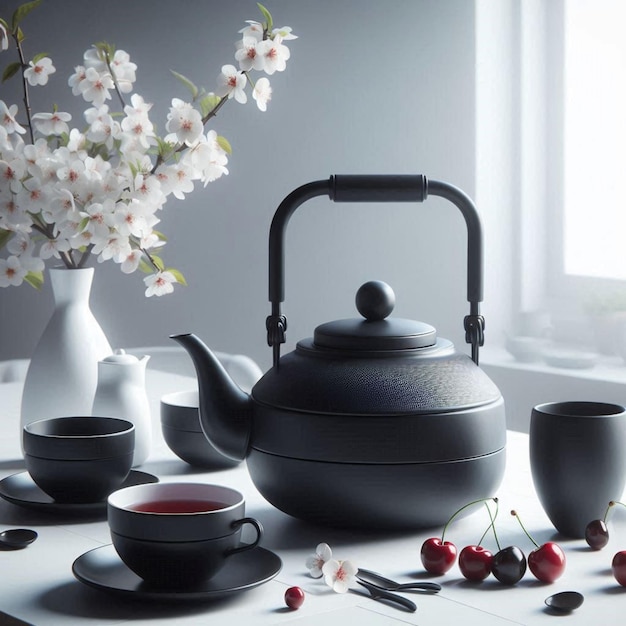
493,519
514,514
493,526
462,509
612,503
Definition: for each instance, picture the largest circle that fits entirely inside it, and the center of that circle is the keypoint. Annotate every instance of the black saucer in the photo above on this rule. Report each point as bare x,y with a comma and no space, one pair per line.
101,568
20,489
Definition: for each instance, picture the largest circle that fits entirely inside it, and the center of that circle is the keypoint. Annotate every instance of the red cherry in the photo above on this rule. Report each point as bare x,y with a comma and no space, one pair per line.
437,556
475,563
619,567
294,597
547,562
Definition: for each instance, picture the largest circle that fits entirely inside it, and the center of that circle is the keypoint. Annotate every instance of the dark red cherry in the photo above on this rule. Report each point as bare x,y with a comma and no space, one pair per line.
294,597
509,565
597,534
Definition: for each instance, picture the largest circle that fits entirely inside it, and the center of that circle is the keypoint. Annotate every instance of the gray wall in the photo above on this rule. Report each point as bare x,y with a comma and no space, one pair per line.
371,87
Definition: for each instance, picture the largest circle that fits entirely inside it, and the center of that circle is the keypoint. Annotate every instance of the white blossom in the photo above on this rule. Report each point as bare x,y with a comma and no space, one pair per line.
184,121
339,575
248,56
275,54
159,284
52,123
7,118
37,73
262,93
11,272
315,562
232,83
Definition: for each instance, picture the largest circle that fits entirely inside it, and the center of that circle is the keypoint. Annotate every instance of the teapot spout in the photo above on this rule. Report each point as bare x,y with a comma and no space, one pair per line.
225,410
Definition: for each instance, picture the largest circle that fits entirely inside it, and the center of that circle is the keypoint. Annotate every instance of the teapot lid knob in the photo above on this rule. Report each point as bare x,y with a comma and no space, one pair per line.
375,300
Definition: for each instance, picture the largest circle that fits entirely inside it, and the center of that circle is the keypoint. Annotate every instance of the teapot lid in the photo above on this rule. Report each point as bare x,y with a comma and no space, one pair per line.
375,301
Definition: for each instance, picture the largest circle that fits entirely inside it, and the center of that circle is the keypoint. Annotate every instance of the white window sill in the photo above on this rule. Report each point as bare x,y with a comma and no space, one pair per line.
524,385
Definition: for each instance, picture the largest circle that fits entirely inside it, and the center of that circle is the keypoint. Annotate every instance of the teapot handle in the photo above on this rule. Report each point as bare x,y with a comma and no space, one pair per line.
376,188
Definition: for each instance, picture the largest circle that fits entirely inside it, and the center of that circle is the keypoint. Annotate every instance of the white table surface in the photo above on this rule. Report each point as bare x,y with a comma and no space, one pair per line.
38,587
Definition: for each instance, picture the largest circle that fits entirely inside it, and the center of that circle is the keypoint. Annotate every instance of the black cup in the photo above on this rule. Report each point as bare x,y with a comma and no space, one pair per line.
578,461
180,425
79,459
178,535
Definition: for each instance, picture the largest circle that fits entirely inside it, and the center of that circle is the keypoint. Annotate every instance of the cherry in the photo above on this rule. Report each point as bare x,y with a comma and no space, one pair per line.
597,534
546,562
475,563
619,567
437,555
596,531
294,597
509,565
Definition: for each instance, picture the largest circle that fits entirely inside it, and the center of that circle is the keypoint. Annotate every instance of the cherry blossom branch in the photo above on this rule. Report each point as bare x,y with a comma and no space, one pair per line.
107,60
24,65
85,255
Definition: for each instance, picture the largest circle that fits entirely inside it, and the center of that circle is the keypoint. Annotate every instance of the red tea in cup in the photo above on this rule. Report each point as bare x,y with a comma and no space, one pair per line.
178,506
189,530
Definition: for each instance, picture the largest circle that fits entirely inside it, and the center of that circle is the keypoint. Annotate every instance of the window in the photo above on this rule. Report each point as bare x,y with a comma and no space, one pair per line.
551,158
594,139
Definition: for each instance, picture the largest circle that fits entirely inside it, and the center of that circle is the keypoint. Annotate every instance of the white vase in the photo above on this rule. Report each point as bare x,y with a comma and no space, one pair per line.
63,372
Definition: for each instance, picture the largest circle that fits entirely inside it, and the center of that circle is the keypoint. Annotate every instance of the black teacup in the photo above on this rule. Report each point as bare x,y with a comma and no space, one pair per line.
79,459
178,534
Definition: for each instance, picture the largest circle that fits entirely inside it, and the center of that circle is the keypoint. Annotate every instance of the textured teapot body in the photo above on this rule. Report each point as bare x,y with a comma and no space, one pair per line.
121,392
373,421
325,437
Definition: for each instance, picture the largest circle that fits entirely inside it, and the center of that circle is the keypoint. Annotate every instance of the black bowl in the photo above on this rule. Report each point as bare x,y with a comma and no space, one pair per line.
79,459
180,425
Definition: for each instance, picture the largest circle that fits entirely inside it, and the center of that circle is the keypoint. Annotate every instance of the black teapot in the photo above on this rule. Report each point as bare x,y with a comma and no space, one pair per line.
373,422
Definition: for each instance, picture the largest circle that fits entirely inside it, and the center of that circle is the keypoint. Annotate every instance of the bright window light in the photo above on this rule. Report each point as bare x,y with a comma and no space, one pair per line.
595,139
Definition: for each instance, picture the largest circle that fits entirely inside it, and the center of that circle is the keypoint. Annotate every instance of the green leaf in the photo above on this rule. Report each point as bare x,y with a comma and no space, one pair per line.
159,235
5,236
21,12
145,267
158,261
34,279
105,50
208,103
224,144
10,70
40,56
189,84
269,23
83,224
20,35
165,148
177,275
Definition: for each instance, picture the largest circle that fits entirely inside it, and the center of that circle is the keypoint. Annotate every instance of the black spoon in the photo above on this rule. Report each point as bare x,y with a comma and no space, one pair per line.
17,538
391,585
565,601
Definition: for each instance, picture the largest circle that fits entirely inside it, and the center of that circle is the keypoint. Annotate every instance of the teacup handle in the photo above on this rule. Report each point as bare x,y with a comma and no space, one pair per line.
259,533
